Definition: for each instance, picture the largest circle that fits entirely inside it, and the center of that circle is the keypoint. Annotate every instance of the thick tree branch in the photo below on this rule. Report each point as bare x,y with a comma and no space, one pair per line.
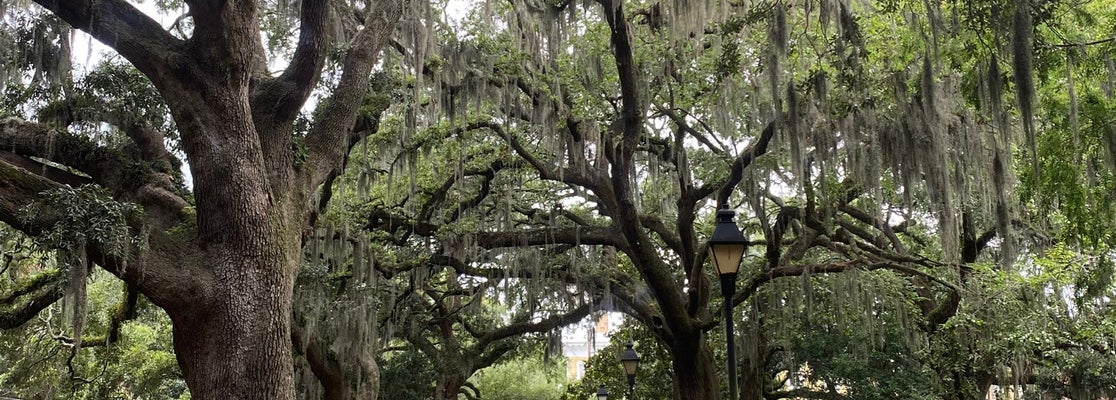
46,171
285,94
544,325
618,198
89,109
328,371
160,271
753,283
488,174
127,176
664,233
545,169
327,141
119,25
736,171
337,378
631,109
582,235
31,296
884,228
365,126
685,127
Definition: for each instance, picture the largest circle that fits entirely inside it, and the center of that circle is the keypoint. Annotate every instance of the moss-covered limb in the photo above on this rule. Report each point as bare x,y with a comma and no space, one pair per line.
104,165
382,219
754,282
45,170
31,296
282,96
123,312
20,188
522,328
126,174
593,181
162,271
746,157
339,379
367,124
327,141
149,142
655,224
309,346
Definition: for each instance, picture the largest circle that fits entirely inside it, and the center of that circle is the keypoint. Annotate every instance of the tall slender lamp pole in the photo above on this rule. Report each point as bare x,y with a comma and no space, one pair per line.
726,248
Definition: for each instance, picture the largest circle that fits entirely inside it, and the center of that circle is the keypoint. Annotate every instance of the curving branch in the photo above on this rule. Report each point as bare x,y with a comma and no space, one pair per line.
365,126
128,176
487,174
581,235
753,283
285,94
736,171
671,238
29,297
119,25
336,380
543,325
546,170
158,271
89,109
686,128
327,141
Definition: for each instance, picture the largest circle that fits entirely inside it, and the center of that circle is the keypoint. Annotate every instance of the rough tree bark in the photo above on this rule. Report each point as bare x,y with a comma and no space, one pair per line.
227,285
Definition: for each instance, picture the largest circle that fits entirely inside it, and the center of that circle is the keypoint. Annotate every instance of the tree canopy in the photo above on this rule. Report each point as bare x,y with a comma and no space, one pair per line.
377,188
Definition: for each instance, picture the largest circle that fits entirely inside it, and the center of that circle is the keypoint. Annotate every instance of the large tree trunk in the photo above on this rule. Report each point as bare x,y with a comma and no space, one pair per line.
449,385
228,287
236,344
238,349
694,372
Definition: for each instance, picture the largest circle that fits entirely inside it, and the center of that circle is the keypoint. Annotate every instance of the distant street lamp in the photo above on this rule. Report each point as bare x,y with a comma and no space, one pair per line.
726,248
630,360
602,393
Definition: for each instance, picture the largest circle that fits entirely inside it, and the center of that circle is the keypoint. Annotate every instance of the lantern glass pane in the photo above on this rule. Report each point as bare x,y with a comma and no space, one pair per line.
726,256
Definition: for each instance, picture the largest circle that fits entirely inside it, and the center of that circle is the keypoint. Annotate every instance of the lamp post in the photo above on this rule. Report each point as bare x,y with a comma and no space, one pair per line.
630,360
602,393
726,248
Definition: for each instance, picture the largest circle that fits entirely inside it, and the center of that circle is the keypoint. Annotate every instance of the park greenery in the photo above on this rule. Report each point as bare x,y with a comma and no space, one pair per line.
408,199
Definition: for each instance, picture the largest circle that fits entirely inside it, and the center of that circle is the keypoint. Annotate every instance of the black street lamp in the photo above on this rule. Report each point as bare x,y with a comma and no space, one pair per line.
726,248
630,360
602,393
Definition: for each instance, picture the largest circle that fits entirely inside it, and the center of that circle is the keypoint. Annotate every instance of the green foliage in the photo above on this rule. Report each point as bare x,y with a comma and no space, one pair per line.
853,332
406,375
86,214
36,360
653,379
116,89
527,378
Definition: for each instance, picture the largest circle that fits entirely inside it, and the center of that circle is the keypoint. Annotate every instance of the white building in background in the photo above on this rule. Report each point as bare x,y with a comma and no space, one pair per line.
584,340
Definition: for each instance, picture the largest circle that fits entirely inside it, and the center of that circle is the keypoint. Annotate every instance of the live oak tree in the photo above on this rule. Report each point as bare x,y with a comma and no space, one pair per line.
222,261
856,137
862,137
